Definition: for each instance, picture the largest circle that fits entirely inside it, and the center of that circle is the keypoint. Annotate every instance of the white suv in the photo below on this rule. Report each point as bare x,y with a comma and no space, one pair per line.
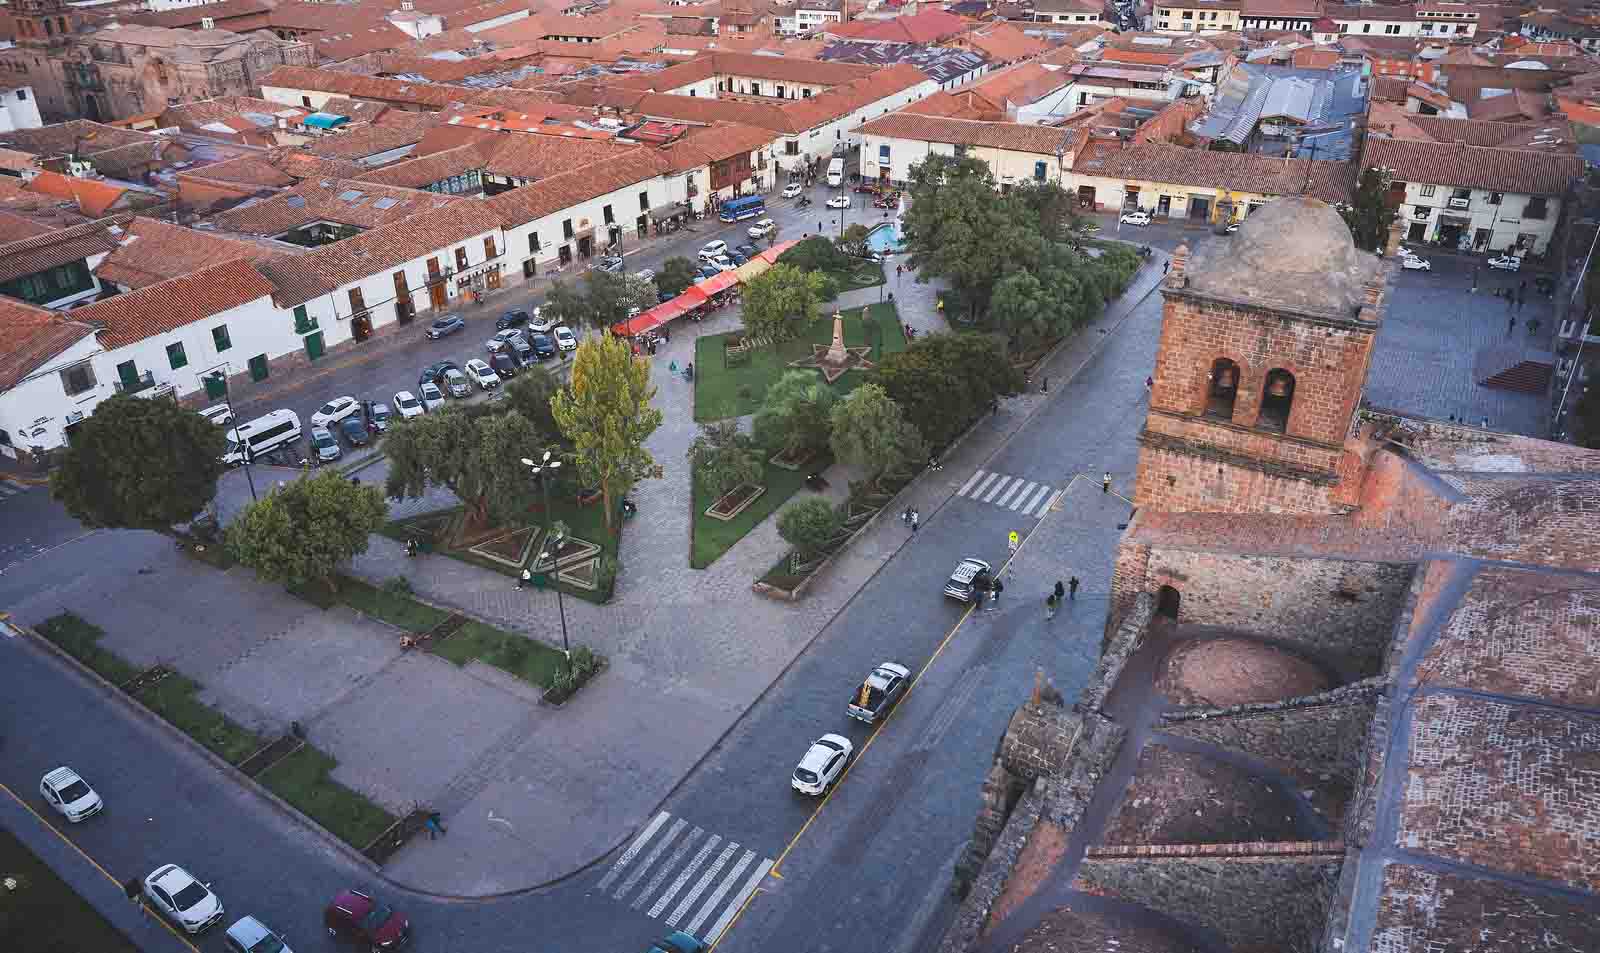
70,795
822,765
711,250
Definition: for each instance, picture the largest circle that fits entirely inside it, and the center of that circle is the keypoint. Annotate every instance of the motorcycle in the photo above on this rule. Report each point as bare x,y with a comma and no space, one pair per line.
803,202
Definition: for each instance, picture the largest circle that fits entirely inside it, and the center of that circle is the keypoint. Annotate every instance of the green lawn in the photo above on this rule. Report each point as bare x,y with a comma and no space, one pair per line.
397,610
721,391
710,538
302,780
173,698
43,914
865,274
80,639
528,659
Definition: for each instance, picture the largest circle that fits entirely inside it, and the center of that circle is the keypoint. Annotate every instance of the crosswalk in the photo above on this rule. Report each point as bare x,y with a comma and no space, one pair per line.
10,488
684,876
1024,497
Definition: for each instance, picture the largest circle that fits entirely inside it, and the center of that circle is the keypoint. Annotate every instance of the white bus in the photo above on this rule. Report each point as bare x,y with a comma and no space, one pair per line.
836,171
267,432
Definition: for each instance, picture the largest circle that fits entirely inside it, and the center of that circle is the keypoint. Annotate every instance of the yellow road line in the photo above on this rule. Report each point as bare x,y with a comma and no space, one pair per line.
736,917
68,841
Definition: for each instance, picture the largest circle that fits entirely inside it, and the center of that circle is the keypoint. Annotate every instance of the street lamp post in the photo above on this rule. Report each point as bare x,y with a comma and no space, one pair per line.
550,545
227,399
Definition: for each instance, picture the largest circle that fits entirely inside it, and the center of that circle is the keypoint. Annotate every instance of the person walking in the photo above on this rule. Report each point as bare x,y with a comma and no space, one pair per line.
1050,606
1149,382
995,589
134,890
916,517
1061,591
1165,265
1044,385
1072,588
1511,325
905,516
431,822
524,579
1105,483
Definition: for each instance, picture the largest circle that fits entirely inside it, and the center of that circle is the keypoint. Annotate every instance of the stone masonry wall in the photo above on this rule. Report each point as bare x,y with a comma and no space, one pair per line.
1323,733
1260,898
1186,477
1127,639
1127,582
1341,609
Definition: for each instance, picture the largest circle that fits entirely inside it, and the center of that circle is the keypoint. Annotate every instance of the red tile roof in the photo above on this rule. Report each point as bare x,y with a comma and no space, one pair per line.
395,130
1017,137
1473,167
94,197
164,306
929,27
30,256
558,192
345,201
1240,172
30,337
151,251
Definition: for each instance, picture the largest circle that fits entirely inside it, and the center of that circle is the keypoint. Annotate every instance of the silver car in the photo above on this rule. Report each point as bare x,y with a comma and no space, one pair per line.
325,445
249,935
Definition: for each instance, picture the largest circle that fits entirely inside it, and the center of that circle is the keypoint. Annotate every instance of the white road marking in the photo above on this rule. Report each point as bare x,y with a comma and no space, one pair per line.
701,885
671,835
1005,497
683,878
1020,497
997,488
720,892
981,487
666,868
1051,504
737,904
634,848
1044,491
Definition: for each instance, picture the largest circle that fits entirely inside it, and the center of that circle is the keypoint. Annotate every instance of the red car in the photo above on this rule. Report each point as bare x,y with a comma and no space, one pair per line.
355,916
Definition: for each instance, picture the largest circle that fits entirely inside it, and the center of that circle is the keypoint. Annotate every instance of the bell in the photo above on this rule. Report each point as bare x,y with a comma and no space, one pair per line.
1229,378
1278,386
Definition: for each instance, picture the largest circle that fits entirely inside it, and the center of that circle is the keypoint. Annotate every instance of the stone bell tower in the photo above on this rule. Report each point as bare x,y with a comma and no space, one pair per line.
1266,338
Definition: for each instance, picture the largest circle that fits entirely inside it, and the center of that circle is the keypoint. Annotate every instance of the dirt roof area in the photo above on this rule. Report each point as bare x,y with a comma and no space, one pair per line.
1226,672
1181,798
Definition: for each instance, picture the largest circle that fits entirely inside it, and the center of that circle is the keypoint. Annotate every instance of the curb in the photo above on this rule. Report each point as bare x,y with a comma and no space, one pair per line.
166,727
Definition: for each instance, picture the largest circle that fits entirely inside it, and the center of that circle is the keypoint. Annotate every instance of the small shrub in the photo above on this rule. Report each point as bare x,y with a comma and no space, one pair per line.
606,575
809,525
397,586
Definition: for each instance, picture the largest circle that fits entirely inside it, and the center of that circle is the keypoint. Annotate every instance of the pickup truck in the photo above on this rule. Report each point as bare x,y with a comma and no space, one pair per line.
879,692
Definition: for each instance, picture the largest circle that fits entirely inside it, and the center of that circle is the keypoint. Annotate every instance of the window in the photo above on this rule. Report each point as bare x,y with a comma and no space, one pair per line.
1277,397
1461,194
883,155
461,258
644,201
605,213
1536,207
1038,171
533,243
219,337
77,379
1393,29
488,247
306,102
258,367
175,355
1426,191
128,373
566,228
1222,386
805,94
791,148
22,95
358,302
1495,197
303,322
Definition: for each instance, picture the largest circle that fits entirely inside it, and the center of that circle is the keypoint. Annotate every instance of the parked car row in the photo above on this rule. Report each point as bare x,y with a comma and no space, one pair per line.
190,904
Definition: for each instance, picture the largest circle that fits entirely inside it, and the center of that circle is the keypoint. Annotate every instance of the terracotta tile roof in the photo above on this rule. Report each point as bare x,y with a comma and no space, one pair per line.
1241,172
966,104
151,251
349,41
15,228
1476,167
161,307
95,197
299,278
558,192
777,68
305,166
1390,89
393,131
1026,83
354,109
358,86
30,337
1517,104
62,247
1142,57
322,200
221,11
110,149
15,161
929,27
1283,8
422,172
710,144
1040,140
1549,135
533,156
253,171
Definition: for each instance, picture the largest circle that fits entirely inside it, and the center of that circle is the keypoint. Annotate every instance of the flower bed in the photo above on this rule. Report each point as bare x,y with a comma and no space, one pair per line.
733,502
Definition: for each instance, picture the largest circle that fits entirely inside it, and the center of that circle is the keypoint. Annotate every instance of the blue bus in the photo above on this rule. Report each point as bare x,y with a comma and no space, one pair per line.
737,210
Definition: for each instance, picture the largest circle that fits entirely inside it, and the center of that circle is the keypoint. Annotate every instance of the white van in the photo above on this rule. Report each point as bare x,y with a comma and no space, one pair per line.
836,171
267,432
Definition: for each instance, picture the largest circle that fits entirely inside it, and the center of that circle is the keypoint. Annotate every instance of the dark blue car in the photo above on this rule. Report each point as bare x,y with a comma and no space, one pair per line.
543,346
355,431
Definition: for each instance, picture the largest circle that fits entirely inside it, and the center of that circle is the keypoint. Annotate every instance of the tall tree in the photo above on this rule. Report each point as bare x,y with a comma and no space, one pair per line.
502,440
567,304
607,417
781,303
478,457
305,531
959,228
723,457
943,382
868,430
809,525
529,394
140,463
675,275
608,298
1370,216
795,414
1023,308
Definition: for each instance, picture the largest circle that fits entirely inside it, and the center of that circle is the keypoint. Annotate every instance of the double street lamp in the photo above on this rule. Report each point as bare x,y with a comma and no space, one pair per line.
552,544
221,370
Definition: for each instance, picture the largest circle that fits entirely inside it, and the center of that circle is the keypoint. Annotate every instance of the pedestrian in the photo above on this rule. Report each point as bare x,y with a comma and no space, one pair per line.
1521,300
1050,606
898,270
431,822
1165,265
1533,327
665,334
1061,591
1072,588
133,889
1044,385
916,517
1105,483
994,592
933,462
1511,325
524,579
672,368
1486,423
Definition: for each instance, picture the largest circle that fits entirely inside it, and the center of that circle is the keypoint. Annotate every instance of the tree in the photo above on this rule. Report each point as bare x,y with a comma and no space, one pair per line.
608,298
795,414
606,414
1023,308
676,274
959,228
306,530
944,381
529,394
815,254
1370,215
638,293
479,458
868,429
809,525
781,303
723,457
854,241
140,463
567,304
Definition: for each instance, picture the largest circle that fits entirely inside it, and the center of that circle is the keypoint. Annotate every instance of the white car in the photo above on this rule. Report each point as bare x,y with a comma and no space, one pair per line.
565,339
334,411
1135,217
1505,263
219,415
722,263
541,323
502,339
1415,263
482,374
70,795
823,764
456,383
761,229
407,405
179,897
711,250
792,189
379,415
839,201
249,935
432,398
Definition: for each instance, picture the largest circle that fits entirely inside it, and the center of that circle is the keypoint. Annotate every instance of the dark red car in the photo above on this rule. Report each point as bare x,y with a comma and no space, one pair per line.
355,916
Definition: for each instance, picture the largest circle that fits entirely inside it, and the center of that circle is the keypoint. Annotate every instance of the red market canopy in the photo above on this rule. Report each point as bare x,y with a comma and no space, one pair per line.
717,283
661,313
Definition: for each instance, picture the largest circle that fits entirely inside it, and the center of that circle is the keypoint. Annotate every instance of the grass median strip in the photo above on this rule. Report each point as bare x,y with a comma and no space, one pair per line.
713,537
80,639
303,779
394,608
527,659
173,698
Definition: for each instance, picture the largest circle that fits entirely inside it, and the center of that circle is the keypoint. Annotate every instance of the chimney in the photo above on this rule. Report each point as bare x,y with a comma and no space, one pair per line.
206,23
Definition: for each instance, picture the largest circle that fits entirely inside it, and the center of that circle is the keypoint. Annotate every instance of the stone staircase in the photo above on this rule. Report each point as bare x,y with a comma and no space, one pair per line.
1512,368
